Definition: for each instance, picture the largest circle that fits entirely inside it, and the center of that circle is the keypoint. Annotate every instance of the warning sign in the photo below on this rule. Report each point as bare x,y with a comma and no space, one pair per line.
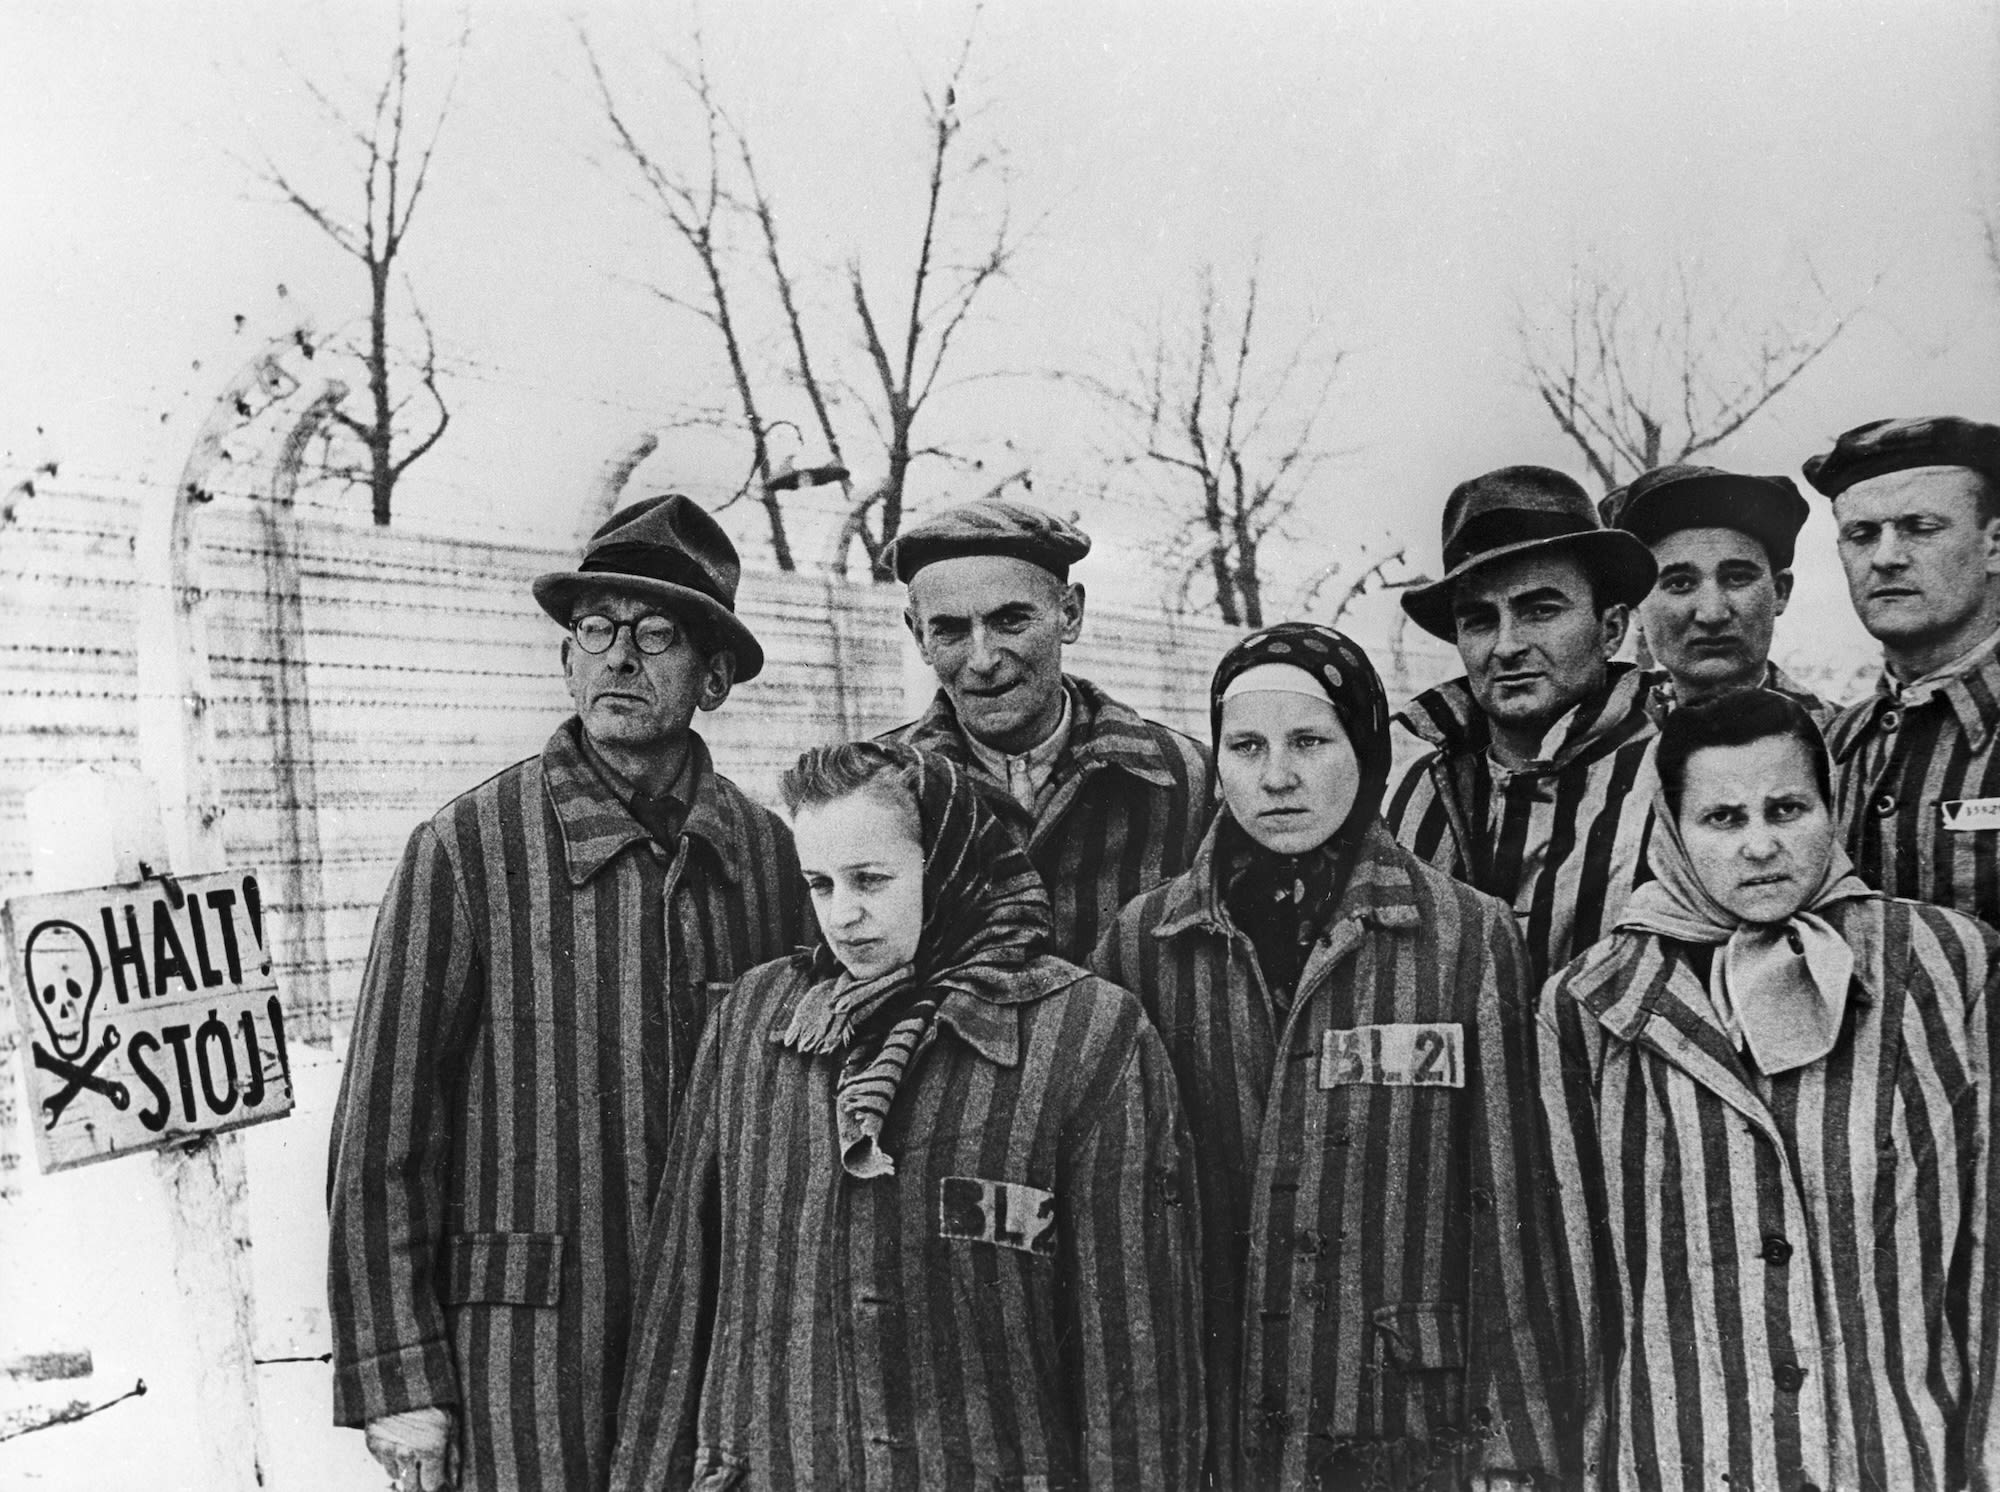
150,1013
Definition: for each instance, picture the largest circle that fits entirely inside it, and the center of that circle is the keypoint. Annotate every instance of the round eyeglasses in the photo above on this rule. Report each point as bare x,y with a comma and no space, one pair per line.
652,634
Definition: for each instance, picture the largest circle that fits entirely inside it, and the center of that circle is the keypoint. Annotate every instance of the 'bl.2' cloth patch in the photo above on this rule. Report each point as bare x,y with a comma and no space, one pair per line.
1398,1055
1001,1212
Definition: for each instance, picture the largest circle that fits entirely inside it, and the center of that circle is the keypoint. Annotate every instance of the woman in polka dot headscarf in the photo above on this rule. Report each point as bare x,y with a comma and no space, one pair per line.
1300,728
1353,1035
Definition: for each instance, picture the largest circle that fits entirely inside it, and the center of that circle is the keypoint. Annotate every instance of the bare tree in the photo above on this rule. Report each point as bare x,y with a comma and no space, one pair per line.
701,203
1638,379
1234,432
394,170
697,206
940,298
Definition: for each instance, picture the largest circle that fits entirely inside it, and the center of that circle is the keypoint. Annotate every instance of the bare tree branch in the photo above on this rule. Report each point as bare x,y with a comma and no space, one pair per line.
390,191
908,330
1233,434
1636,380
693,207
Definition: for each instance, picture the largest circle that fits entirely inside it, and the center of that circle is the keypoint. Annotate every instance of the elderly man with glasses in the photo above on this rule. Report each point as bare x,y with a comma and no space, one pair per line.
540,973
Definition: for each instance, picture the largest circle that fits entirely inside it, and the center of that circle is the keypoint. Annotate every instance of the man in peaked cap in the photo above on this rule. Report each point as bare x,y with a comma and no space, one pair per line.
1533,790
1724,544
540,972
1106,803
1916,504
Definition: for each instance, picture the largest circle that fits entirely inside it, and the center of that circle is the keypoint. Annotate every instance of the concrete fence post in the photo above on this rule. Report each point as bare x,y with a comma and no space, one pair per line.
204,1184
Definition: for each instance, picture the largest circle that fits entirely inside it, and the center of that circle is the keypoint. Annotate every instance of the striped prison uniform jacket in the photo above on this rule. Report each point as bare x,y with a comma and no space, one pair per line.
1562,841
1017,1306
1788,1281
1903,766
1127,809
1375,1243
1661,697
540,973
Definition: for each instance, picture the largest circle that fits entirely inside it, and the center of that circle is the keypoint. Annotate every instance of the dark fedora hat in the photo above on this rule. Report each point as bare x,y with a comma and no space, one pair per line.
668,550
1520,510
1670,498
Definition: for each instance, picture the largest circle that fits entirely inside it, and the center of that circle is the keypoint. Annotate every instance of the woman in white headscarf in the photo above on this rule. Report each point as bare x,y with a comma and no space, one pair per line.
1769,1095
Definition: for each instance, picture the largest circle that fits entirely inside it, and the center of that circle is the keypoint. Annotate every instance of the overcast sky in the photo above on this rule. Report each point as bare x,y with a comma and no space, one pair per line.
1411,178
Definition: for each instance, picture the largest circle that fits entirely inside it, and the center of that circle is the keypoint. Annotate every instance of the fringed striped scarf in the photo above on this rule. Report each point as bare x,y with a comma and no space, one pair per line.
986,915
868,1086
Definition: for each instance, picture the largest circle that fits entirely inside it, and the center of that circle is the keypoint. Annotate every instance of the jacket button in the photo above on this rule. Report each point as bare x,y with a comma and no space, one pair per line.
1307,1241
1482,1199
1341,1136
1789,1376
1884,805
1891,719
1776,1250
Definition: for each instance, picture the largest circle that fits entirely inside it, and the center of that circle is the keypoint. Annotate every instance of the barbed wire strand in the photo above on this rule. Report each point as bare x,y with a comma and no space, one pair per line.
74,1413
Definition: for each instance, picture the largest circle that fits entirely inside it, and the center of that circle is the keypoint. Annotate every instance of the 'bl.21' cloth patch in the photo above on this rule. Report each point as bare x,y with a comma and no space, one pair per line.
1000,1212
1398,1055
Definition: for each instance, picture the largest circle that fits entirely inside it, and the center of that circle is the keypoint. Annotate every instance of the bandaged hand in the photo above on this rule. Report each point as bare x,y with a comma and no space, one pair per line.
418,1448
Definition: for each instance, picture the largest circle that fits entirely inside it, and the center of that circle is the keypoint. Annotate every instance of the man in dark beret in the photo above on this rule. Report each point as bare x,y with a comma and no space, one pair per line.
1724,544
1917,764
1106,803
1533,790
540,972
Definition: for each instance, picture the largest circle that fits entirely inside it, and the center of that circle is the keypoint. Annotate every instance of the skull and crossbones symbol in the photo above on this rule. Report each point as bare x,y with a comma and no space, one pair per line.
64,975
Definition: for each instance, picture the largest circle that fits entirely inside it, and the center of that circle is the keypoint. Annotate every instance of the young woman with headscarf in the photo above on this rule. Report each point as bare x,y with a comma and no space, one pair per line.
929,1220
1354,1039
1769,1097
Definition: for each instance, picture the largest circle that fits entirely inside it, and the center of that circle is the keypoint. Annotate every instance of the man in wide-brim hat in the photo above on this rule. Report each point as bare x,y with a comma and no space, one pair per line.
1724,543
1528,792
539,975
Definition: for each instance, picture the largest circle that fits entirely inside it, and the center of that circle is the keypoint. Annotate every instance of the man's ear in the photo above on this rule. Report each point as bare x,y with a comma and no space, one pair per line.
1072,611
1615,620
1781,582
719,679
1993,546
917,634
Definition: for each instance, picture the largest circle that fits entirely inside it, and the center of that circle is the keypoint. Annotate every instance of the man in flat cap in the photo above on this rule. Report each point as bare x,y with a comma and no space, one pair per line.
540,972
1724,544
1916,503
1536,789
1107,804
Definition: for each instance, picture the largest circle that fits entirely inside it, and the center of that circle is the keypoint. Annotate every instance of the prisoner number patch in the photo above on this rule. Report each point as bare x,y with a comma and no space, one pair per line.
1969,815
998,1212
1399,1054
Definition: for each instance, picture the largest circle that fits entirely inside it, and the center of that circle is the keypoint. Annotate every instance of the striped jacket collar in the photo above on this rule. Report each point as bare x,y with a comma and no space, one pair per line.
1973,696
596,826
1102,733
1645,993
1661,695
990,1026
1449,718
1381,890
